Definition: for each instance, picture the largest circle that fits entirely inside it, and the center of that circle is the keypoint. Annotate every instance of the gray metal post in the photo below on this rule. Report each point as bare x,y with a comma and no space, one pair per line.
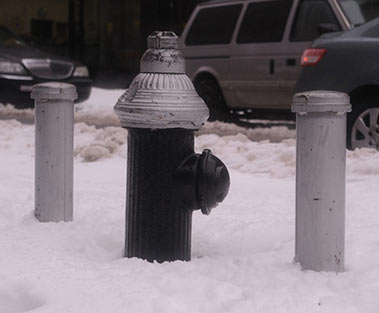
320,179
54,120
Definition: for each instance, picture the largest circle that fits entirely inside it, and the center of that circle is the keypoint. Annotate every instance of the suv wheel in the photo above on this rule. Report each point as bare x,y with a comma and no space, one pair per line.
363,126
210,92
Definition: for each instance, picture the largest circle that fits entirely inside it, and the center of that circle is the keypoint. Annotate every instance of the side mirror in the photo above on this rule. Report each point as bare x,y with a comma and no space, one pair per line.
324,28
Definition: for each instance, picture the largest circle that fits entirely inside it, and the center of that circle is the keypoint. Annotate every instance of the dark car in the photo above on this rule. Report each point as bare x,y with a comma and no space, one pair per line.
22,66
348,62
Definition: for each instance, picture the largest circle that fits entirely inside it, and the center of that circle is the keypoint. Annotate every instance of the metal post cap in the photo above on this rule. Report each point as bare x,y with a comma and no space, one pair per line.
321,101
162,54
54,91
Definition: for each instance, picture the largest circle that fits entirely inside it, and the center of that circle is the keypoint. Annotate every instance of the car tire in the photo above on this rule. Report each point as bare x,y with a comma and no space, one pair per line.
363,123
210,92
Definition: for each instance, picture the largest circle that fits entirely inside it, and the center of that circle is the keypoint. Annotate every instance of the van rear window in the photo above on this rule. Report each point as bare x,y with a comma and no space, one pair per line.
213,26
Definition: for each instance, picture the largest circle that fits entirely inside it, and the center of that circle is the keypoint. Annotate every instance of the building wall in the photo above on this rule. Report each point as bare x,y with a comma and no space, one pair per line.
109,33
17,14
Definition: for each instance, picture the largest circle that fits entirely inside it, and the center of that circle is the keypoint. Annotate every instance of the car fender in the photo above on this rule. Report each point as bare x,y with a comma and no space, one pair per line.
205,70
347,64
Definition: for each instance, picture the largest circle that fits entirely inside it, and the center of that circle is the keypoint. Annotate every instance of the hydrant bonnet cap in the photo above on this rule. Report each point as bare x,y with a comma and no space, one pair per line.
162,54
162,40
162,96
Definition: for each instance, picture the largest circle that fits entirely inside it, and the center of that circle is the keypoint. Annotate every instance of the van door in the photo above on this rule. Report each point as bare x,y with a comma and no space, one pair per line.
256,54
266,59
207,43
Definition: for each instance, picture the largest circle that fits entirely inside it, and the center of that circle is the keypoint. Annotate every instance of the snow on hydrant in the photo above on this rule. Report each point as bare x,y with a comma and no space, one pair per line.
166,180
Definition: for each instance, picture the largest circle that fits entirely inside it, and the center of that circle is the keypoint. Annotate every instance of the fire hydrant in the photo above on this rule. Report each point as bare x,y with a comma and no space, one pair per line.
166,180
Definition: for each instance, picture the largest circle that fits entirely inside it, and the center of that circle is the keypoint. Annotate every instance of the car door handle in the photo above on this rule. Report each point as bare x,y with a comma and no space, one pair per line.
291,62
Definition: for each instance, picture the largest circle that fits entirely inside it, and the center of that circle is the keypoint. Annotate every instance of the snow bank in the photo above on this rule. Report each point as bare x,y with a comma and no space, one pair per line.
271,134
241,254
8,111
363,162
92,144
97,110
247,150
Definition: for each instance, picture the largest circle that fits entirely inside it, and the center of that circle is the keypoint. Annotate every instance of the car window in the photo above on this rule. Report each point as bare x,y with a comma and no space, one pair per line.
9,39
214,25
309,16
264,21
360,11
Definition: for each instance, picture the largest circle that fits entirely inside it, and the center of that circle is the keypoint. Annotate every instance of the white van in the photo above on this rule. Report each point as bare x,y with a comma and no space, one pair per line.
246,54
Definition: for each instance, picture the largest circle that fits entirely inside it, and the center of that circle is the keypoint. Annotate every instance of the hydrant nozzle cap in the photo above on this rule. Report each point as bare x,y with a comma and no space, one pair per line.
214,181
201,182
319,101
54,91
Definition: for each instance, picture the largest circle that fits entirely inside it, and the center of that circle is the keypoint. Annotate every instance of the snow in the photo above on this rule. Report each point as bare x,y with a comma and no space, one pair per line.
242,254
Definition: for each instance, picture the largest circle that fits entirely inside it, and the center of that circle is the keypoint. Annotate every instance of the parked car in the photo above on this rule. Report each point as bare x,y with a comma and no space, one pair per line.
246,54
22,66
348,62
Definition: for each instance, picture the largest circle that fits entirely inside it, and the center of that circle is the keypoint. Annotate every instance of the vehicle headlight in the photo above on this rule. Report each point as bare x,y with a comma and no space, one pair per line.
7,67
81,71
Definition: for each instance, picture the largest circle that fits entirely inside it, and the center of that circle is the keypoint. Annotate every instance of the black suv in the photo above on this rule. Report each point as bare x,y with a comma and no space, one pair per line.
348,62
22,66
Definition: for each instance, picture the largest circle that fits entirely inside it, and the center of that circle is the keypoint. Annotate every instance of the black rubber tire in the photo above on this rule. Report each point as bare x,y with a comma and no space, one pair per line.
210,92
359,105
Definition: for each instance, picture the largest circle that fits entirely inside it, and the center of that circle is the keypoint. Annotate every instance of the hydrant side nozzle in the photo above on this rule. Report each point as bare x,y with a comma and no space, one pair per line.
213,181
202,181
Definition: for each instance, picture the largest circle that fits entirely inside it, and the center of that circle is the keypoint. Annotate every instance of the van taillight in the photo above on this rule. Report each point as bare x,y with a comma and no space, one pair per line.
312,56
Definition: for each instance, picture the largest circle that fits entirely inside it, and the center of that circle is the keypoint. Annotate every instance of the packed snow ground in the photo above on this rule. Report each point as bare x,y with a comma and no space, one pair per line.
241,254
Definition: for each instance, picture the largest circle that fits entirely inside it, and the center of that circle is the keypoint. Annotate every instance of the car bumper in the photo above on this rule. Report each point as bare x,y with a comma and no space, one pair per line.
16,89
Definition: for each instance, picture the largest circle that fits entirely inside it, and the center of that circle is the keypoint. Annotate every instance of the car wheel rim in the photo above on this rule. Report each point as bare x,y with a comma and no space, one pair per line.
365,131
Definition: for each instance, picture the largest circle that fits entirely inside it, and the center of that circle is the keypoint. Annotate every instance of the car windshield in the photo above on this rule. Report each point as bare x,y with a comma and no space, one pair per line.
360,11
10,40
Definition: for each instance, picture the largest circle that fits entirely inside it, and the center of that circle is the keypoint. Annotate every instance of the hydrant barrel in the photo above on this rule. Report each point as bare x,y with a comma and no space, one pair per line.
54,119
157,227
320,179
166,179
